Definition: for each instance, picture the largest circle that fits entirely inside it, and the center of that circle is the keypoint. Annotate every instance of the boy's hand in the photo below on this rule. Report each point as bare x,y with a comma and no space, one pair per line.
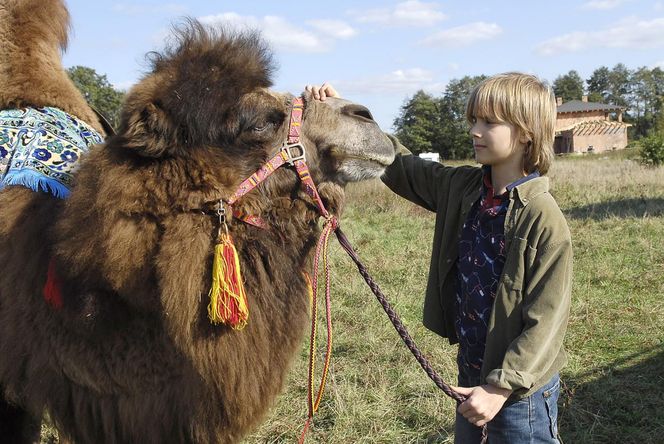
322,91
483,403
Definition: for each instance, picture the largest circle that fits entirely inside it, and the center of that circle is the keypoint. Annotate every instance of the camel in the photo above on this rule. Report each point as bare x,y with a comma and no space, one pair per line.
128,354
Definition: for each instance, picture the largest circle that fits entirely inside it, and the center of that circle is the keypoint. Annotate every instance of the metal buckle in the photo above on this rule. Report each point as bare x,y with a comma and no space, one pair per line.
221,211
221,214
292,157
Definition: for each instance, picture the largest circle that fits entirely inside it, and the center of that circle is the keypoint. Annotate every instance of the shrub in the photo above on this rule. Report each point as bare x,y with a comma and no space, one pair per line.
652,149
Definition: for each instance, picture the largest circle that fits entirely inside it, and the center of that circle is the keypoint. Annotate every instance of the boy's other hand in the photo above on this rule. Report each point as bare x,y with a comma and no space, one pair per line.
322,91
483,403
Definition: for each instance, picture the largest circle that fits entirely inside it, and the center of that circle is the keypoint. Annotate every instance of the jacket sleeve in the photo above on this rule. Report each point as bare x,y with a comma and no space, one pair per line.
545,312
418,180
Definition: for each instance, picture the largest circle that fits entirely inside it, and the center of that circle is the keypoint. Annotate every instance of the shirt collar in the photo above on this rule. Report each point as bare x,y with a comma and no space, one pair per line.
525,179
523,190
488,186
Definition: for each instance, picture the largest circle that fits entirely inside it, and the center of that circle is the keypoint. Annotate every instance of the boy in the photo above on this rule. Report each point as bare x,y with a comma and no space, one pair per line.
500,275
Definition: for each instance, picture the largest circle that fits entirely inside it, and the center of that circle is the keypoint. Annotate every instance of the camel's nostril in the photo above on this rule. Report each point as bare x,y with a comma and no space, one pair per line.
357,111
364,113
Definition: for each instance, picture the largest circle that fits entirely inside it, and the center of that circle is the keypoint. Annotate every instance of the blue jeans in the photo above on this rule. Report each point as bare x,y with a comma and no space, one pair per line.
527,421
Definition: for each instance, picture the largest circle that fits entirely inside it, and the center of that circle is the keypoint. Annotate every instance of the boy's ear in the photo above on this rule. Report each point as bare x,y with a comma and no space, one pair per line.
523,138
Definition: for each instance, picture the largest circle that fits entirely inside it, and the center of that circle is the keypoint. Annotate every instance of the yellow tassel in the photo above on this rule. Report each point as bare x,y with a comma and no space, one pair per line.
228,300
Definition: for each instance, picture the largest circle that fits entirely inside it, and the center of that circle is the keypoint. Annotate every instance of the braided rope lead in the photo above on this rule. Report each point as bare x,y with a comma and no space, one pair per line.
398,325
321,251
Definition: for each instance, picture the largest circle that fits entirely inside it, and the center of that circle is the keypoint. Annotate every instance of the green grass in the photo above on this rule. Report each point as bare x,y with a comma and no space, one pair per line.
376,391
613,382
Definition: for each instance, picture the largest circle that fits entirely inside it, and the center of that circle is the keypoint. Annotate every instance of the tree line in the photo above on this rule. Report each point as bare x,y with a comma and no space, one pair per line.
427,123
438,124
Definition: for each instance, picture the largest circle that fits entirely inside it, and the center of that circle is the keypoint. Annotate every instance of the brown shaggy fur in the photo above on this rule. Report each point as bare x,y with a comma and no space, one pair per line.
132,356
32,35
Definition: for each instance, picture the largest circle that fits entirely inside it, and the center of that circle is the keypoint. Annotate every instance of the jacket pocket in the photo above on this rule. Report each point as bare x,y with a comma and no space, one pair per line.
513,271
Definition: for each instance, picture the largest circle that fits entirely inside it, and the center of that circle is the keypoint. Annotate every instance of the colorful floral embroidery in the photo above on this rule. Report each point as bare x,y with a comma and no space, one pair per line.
40,148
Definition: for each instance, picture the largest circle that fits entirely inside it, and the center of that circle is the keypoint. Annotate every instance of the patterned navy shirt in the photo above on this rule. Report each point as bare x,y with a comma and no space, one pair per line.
479,266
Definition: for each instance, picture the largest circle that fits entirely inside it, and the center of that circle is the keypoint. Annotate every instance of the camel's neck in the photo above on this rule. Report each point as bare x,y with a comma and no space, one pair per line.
31,35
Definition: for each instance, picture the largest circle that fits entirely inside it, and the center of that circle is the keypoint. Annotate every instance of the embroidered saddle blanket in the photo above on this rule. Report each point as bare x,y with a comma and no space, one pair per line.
40,148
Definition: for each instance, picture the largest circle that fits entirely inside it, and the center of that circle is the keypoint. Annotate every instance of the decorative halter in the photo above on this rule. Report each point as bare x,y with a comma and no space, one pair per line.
291,153
228,302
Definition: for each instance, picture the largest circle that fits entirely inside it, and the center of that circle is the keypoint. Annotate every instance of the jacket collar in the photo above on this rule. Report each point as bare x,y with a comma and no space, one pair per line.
527,191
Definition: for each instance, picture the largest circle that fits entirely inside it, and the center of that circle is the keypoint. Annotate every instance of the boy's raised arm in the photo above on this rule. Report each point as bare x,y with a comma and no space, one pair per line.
421,181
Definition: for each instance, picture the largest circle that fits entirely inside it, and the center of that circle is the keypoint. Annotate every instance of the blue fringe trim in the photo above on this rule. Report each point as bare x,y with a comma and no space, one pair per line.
36,182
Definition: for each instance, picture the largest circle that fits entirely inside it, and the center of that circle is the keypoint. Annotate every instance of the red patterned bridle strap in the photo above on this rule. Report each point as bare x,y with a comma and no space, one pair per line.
292,153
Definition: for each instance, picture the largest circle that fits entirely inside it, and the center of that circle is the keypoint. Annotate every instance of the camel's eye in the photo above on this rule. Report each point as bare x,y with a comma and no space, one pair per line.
264,124
262,127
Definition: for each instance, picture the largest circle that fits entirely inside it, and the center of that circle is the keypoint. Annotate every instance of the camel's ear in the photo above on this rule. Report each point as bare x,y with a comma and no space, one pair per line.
148,130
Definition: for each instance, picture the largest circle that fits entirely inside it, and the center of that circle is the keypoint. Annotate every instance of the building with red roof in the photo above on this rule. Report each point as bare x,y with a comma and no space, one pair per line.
583,126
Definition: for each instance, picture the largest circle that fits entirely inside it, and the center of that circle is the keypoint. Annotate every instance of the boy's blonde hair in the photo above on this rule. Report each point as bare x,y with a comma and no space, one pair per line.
526,102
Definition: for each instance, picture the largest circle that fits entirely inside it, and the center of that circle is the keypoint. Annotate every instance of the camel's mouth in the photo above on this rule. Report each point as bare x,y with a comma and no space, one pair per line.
353,164
357,169
380,160
382,155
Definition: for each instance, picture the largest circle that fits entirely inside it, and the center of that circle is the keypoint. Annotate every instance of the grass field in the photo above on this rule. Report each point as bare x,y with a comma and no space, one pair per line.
613,385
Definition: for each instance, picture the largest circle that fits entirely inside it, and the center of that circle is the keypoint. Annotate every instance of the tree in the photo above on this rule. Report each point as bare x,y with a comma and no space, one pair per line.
98,92
417,126
598,85
455,142
569,86
643,98
619,85
658,104
438,124
659,124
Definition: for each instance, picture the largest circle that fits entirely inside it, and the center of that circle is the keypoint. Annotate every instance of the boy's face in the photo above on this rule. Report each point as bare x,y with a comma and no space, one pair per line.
496,142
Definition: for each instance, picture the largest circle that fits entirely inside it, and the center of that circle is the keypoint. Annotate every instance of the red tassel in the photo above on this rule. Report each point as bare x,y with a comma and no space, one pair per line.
53,287
228,300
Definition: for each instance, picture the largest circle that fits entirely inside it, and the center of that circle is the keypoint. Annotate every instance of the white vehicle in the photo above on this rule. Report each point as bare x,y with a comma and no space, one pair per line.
435,157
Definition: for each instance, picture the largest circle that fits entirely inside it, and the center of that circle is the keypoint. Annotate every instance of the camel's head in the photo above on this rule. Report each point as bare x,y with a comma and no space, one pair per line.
349,145
208,98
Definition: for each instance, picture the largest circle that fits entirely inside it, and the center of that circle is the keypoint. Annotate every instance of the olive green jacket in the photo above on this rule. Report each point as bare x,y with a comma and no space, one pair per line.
524,344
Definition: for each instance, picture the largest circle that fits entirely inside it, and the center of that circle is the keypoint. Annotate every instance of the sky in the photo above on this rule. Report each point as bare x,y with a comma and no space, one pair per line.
380,53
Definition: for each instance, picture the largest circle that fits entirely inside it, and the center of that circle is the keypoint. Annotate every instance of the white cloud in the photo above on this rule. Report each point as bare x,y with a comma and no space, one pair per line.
629,34
464,35
402,81
132,9
408,13
602,4
333,28
281,34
